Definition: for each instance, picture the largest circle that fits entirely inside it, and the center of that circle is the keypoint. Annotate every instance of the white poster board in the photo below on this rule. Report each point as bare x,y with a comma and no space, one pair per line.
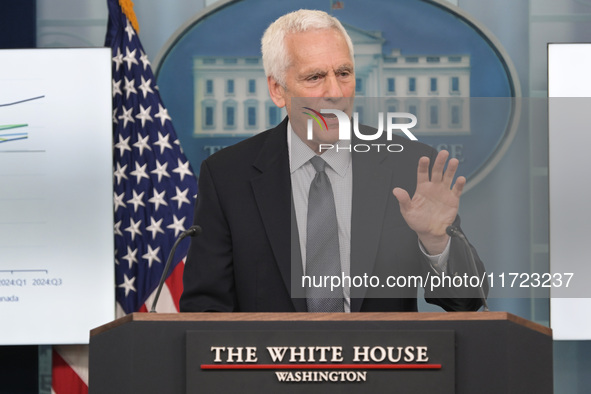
569,91
56,213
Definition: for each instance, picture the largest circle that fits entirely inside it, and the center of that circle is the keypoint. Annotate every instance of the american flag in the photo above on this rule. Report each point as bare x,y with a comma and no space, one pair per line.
154,190
154,185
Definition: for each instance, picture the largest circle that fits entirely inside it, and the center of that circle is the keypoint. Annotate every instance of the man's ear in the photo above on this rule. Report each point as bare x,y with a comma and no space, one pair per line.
276,91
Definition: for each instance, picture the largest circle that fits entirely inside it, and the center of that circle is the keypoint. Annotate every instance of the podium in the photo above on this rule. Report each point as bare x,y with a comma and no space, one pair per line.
461,352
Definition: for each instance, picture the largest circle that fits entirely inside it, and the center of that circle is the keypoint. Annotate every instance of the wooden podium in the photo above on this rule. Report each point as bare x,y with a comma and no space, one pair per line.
462,352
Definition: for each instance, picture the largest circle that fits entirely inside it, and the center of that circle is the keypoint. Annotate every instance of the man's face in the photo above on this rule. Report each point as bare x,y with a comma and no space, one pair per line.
321,72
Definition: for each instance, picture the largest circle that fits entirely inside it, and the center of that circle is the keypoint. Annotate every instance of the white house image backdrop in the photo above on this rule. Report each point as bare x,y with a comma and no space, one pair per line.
424,57
233,99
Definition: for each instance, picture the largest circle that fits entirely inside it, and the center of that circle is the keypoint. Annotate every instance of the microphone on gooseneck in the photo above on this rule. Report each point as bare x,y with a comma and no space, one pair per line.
453,231
190,232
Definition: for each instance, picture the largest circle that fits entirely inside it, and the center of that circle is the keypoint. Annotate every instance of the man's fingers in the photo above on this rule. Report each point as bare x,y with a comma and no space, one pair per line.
423,170
402,197
438,165
450,172
459,186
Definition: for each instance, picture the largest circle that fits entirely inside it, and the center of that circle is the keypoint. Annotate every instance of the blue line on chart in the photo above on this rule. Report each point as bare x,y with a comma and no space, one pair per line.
14,139
22,101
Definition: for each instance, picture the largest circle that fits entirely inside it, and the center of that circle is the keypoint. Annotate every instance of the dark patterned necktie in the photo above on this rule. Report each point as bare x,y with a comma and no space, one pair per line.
322,244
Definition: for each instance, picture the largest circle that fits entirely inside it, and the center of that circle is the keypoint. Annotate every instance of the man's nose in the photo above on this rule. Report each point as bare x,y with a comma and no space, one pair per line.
333,87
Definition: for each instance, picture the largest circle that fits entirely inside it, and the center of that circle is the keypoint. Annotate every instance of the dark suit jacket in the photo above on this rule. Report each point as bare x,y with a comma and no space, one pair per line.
242,260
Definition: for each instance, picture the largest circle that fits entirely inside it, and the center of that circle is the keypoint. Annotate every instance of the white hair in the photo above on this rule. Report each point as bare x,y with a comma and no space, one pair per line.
276,57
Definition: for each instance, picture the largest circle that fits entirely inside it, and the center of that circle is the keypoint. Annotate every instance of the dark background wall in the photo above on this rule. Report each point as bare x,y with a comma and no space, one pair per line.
18,24
19,370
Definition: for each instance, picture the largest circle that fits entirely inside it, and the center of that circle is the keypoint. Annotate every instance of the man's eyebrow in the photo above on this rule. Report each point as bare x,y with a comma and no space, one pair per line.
344,67
309,73
322,72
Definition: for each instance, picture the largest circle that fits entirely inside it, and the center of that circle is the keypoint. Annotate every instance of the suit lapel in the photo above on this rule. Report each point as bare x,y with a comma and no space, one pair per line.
272,191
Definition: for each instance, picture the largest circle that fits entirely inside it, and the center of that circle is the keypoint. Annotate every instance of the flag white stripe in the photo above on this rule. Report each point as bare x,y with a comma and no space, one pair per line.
165,302
119,312
76,356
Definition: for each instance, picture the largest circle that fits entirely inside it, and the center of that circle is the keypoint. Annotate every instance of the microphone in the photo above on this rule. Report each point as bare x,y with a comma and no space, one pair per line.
190,232
453,231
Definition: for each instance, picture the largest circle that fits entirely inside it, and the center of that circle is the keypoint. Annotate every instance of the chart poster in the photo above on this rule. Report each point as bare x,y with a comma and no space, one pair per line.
569,92
56,212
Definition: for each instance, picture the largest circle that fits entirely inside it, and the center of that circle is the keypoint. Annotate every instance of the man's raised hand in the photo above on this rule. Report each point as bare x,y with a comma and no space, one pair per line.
435,203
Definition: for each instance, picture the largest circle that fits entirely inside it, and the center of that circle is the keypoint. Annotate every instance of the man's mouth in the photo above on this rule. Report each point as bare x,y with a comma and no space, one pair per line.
331,120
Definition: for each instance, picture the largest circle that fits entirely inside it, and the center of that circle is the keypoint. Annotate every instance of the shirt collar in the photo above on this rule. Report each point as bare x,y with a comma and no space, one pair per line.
300,154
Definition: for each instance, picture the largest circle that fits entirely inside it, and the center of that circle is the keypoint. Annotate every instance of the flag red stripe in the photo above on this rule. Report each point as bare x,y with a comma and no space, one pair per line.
175,283
64,379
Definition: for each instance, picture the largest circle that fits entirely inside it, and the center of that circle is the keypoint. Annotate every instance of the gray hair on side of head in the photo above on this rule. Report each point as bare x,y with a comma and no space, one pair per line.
275,56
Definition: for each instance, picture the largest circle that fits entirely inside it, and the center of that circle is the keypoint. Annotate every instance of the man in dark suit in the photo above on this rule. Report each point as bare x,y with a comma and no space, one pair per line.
249,257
